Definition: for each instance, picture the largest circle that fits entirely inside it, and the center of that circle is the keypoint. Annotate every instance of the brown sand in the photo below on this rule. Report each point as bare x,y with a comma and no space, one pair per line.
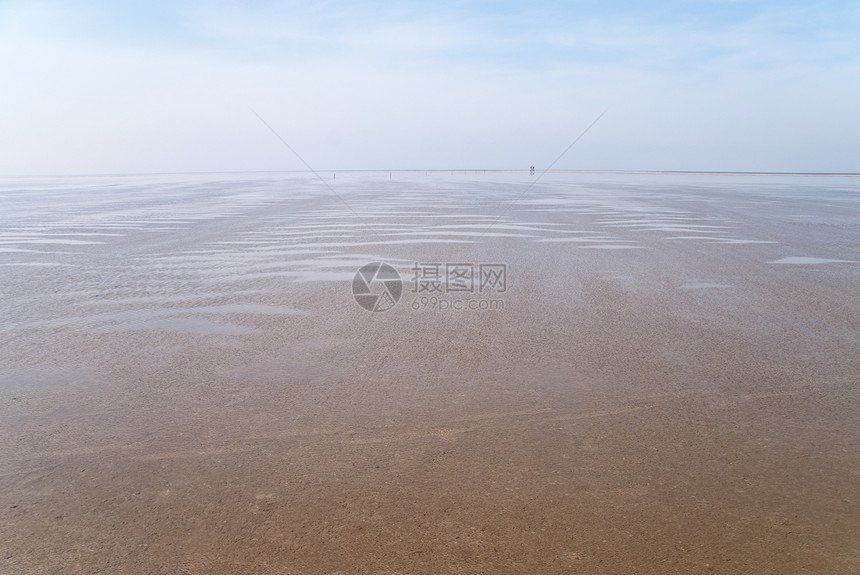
679,407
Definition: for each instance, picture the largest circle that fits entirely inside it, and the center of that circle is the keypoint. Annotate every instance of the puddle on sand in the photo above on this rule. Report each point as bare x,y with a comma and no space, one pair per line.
706,285
801,260
47,378
583,240
38,265
740,242
183,325
611,247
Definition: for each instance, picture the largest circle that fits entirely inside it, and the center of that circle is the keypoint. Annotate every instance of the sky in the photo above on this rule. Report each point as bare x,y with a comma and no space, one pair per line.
115,87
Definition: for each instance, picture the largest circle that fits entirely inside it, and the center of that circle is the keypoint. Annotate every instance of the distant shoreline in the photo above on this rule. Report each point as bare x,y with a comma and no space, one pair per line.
537,172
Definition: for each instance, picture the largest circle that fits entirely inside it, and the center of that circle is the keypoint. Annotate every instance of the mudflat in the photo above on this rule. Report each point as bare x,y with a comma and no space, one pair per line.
578,374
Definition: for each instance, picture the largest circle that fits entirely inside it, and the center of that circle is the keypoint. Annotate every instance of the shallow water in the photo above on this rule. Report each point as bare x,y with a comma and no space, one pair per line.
801,260
187,384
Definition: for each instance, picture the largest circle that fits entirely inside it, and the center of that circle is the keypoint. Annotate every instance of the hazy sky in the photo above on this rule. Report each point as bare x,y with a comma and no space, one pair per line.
126,87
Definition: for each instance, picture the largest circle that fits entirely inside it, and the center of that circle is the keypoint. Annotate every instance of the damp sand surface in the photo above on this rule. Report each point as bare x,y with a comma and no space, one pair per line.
666,382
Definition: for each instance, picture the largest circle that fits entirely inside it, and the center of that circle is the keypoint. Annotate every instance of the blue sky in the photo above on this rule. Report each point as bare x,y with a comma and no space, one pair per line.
129,87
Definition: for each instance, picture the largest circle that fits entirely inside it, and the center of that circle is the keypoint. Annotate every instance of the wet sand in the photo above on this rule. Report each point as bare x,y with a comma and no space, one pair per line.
669,385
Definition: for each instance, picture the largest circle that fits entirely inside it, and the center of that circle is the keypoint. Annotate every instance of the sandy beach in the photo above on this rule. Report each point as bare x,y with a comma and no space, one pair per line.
665,382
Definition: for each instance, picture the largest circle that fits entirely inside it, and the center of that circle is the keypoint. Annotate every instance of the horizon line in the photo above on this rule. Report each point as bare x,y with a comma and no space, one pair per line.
445,170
